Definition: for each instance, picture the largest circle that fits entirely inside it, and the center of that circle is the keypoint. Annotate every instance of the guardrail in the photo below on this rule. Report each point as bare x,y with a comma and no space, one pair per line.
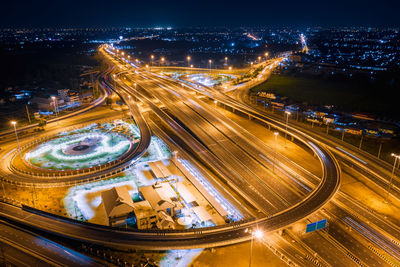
199,237
127,162
64,173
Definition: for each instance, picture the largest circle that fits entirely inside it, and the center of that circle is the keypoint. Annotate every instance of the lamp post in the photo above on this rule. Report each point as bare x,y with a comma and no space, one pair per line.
55,106
266,56
209,65
162,60
129,105
287,121
276,141
226,61
259,59
396,157
152,58
258,234
188,60
14,123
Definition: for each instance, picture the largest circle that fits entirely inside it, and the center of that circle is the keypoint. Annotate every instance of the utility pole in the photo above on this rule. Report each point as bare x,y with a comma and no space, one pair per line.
27,113
396,157
287,120
380,149
276,140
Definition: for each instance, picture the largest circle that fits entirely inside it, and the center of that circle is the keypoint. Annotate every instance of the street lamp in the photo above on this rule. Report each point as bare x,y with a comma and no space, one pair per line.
287,120
396,157
114,76
152,58
226,61
14,123
209,65
230,67
162,60
266,55
257,234
55,105
259,59
276,141
188,59
129,105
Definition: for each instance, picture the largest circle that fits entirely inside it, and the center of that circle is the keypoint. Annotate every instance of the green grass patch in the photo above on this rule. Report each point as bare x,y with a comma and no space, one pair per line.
349,96
313,91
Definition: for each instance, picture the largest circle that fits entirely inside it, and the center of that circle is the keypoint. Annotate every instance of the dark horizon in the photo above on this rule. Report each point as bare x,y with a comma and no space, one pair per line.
180,14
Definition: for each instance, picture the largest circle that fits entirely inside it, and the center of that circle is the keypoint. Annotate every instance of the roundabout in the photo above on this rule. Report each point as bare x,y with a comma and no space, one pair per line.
77,155
78,151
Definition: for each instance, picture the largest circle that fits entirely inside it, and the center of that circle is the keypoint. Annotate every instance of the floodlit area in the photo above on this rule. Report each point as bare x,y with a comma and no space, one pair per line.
210,80
90,146
160,191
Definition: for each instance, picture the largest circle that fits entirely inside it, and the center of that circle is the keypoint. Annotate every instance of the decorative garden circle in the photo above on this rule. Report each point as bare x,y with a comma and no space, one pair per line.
78,151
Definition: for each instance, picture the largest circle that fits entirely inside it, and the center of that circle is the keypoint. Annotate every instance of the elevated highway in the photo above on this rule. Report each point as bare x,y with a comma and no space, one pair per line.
190,238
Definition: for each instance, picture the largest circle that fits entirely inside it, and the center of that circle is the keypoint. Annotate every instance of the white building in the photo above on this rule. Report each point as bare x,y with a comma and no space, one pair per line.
118,205
146,217
161,197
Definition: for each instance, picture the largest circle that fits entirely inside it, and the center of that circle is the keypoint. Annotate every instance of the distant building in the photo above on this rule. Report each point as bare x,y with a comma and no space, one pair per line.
164,221
146,217
364,116
161,198
63,94
329,119
45,104
118,205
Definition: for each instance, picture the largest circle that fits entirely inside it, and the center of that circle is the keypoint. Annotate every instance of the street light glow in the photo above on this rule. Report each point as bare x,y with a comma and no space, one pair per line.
258,234
13,122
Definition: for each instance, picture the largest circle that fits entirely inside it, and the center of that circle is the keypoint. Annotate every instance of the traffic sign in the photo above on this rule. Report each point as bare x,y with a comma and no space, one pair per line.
311,227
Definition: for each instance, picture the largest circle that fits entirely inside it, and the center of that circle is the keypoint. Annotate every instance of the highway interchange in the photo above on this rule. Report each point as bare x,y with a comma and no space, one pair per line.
281,191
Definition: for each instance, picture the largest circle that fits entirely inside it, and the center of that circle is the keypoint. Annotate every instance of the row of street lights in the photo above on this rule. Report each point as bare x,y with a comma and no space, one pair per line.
189,58
396,157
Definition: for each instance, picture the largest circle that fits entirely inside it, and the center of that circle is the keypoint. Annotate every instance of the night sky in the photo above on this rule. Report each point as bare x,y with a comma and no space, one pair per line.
73,13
